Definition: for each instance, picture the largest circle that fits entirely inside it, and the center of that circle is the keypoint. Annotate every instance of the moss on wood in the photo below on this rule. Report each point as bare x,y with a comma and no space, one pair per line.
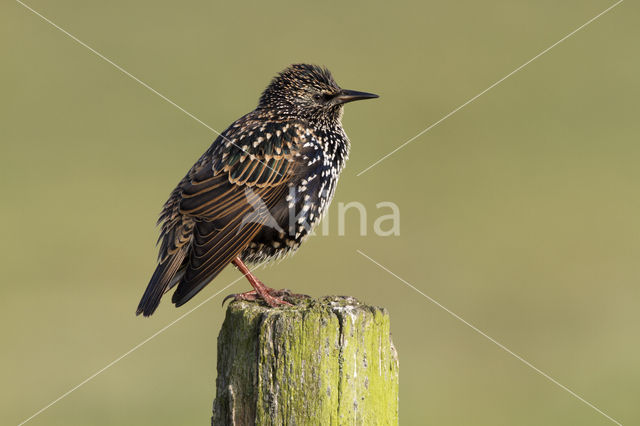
323,361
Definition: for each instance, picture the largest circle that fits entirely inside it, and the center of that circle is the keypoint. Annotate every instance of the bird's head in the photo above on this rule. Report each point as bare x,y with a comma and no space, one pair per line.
308,92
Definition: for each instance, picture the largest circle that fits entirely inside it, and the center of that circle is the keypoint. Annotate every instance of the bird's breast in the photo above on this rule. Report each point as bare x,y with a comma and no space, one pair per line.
321,160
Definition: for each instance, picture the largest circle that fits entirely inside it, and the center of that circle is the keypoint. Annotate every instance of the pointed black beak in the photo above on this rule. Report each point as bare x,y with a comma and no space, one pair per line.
353,95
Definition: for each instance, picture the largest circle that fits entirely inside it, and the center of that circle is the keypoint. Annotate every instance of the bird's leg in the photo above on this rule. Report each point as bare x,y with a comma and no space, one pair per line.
260,291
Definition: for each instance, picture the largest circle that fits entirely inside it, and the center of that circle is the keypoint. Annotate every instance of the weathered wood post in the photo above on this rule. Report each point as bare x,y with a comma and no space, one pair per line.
326,361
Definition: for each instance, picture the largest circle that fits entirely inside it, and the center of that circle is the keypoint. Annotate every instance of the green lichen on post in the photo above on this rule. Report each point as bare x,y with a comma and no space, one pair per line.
323,361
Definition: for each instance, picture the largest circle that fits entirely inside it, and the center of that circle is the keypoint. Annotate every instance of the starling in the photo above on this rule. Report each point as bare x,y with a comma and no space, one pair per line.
258,191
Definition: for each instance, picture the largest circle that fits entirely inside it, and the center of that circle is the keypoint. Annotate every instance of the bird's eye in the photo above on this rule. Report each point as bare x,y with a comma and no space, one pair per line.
322,97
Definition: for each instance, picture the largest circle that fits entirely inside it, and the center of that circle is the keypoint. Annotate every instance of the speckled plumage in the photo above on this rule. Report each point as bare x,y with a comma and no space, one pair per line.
260,188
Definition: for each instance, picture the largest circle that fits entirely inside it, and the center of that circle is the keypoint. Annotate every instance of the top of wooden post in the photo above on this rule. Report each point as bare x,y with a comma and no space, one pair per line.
321,361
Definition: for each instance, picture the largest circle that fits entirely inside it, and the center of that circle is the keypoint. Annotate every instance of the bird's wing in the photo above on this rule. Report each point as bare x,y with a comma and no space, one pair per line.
228,194
221,204
175,241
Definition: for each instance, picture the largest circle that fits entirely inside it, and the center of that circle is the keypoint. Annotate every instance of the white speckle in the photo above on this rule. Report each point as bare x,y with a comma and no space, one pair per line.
355,365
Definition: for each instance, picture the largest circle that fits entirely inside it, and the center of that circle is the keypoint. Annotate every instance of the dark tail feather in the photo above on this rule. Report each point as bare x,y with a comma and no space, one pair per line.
211,252
190,288
160,282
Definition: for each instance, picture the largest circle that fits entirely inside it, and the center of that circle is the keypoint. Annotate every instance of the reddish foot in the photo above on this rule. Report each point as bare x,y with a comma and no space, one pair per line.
271,296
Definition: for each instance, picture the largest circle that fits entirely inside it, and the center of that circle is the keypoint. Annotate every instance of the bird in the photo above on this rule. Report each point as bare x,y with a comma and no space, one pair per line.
257,192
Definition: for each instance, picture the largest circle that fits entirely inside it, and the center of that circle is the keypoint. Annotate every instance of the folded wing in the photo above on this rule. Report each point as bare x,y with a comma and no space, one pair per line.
204,222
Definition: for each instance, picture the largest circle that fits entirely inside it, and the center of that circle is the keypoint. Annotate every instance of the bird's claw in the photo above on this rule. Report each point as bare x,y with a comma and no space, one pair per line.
229,296
271,297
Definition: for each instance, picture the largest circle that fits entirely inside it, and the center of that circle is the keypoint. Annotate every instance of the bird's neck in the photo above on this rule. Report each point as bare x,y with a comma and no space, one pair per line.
316,120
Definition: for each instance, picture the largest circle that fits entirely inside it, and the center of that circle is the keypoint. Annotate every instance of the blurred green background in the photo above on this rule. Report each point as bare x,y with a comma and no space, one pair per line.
519,213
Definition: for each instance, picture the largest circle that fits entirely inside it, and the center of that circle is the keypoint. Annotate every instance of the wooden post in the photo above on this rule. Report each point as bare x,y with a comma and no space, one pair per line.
326,361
